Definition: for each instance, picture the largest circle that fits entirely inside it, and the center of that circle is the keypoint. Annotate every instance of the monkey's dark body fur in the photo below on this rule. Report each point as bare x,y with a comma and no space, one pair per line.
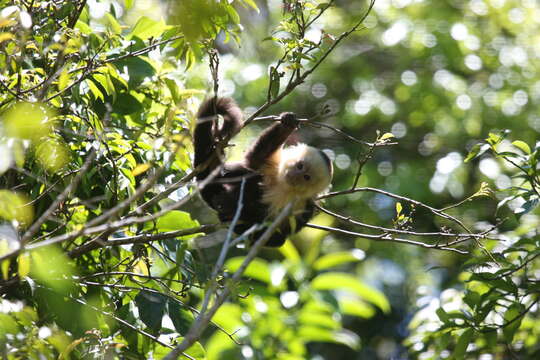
223,192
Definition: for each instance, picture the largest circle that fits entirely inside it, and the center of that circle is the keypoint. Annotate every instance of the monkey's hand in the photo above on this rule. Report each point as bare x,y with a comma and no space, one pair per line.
289,119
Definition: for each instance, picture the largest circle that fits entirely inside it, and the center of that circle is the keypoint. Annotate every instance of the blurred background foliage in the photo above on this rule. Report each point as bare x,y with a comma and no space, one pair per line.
108,90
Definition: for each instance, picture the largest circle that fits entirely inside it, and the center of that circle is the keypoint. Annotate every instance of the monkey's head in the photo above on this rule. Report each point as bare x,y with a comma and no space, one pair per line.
306,170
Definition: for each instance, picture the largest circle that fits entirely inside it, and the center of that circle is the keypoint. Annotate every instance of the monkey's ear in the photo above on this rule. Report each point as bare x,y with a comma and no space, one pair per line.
289,119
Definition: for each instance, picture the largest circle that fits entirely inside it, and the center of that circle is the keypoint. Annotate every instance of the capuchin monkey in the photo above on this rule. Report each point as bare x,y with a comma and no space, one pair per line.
273,175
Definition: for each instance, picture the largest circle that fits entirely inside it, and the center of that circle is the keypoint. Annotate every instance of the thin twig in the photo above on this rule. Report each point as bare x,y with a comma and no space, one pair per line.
398,197
386,237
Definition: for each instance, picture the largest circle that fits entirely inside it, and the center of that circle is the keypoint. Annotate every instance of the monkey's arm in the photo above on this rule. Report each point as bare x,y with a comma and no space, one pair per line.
270,141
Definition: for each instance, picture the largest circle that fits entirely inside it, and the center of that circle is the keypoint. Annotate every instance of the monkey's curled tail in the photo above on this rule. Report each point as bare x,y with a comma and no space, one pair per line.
207,133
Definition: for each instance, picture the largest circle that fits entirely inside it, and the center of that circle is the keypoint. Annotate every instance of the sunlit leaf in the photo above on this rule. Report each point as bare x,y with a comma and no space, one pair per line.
23,262
4,265
176,220
258,269
140,169
51,267
289,251
28,121
338,258
95,90
146,28
347,282
196,351
63,79
4,36
229,317
354,307
314,333
386,136
494,139
252,4
523,146
16,206
476,151
52,154
113,23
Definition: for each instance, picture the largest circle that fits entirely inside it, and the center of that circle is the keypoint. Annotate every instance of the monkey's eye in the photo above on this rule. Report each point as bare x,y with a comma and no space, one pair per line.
307,177
300,165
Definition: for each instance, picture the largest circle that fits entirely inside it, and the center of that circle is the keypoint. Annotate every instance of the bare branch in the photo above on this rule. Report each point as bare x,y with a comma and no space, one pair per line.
398,197
386,237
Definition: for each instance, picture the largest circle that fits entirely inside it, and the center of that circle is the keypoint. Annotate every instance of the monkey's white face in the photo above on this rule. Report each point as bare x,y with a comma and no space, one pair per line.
305,170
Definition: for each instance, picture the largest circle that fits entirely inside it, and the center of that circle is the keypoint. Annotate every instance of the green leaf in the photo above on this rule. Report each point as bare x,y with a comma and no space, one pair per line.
315,333
494,139
196,351
51,266
512,321
252,4
443,316
151,309
146,28
105,82
181,318
491,339
229,317
8,325
386,136
356,307
258,269
176,220
63,79
476,151
113,23
233,15
83,27
346,282
317,318
126,104
523,146
338,258
95,90
462,344
472,298
137,69
24,265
